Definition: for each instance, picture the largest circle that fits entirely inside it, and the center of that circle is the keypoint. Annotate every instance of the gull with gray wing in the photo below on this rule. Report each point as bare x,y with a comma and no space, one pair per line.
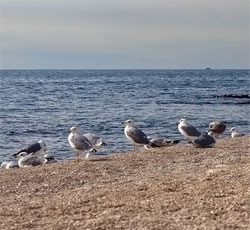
135,135
79,143
235,133
204,141
95,141
187,130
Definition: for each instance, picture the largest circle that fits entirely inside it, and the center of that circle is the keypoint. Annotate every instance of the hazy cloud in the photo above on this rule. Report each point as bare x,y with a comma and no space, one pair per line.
124,34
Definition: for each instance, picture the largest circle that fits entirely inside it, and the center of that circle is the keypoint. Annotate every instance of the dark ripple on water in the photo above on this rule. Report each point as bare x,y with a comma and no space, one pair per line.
44,104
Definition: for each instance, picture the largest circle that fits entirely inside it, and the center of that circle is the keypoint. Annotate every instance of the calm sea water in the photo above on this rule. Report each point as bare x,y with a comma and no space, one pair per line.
44,104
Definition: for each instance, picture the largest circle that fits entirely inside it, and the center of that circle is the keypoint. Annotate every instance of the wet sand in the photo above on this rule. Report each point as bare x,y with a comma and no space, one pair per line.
180,187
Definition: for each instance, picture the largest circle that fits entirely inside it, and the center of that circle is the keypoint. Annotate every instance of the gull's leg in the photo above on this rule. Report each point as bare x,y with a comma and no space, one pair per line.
134,147
79,157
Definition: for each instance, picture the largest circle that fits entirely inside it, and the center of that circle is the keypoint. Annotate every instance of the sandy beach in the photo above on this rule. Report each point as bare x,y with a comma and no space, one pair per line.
180,187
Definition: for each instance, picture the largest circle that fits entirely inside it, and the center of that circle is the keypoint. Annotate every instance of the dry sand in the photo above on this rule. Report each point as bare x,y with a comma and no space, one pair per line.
180,187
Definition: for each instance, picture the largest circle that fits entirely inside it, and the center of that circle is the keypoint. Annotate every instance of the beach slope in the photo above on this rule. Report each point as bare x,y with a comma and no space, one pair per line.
180,187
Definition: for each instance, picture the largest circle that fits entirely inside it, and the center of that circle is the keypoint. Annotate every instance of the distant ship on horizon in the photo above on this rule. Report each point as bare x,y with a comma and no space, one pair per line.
208,67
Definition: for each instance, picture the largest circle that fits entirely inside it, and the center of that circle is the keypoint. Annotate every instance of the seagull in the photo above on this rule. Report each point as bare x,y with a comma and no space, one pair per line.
35,148
31,160
235,133
187,130
12,164
4,165
161,142
95,141
135,135
204,141
79,143
217,127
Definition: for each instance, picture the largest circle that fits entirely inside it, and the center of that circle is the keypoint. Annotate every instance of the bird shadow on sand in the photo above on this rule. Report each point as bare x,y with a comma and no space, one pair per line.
100,159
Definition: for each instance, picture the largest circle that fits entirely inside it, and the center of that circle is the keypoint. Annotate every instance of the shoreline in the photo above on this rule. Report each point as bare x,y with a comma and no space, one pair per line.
179,187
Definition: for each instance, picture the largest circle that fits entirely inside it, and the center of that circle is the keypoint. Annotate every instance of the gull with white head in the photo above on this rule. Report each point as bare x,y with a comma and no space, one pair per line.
79,143
217,127
135,135
187,130
235,133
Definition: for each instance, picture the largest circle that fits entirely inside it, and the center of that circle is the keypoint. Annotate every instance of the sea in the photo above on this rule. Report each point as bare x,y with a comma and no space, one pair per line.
45,104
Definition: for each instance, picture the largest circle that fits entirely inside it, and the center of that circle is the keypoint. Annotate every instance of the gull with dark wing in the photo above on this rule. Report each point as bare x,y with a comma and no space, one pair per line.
187,130
135,135
161,143
79,143
217,127
36,148
204,141
235,133
95,141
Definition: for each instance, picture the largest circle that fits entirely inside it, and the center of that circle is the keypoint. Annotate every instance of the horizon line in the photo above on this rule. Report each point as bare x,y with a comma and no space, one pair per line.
125,69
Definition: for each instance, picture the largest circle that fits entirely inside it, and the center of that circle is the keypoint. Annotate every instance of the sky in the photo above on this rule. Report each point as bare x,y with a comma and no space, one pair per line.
128,34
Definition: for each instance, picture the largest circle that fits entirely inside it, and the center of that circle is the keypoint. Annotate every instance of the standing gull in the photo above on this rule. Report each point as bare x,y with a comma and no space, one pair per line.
35,148
235,133
187,130
79,143
204,141
95,141
217,127
135,135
